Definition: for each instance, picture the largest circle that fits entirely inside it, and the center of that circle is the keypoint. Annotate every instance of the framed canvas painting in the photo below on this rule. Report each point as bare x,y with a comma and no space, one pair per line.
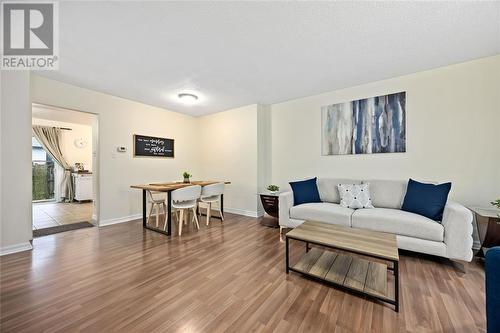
365,126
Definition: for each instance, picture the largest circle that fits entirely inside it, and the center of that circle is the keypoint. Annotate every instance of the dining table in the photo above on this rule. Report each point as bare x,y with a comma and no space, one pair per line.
168,187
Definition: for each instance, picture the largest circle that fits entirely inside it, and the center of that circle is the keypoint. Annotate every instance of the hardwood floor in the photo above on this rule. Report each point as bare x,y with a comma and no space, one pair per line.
226,277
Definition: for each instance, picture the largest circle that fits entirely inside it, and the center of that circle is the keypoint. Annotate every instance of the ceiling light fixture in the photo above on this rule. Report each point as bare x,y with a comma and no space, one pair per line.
187,98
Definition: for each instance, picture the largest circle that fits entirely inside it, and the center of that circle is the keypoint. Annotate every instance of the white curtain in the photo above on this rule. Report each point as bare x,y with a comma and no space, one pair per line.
50,138
58,179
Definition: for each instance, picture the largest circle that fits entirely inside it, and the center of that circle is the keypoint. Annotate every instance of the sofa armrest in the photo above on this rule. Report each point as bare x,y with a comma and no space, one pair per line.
285,203
457,223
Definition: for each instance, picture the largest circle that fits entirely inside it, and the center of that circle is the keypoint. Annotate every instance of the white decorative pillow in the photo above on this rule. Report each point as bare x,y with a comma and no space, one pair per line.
355,195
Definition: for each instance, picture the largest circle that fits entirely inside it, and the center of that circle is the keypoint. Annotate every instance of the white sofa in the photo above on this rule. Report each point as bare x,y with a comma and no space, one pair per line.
452,238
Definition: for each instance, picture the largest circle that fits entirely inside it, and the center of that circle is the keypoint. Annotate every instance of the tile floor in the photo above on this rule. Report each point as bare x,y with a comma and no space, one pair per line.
52,214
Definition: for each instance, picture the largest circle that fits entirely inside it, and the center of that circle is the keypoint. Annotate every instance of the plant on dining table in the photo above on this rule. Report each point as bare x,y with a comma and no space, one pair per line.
186,176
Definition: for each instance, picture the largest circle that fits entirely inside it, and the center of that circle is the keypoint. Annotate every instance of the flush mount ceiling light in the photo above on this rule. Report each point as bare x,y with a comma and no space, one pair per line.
187,98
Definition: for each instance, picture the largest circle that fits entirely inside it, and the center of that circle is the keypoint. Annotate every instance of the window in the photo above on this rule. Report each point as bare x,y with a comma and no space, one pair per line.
42,172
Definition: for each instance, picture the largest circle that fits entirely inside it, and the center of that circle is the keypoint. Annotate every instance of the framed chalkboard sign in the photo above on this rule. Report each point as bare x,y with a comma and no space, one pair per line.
150,146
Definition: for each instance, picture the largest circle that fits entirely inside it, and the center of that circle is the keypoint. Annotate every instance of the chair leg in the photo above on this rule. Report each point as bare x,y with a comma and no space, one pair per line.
181,219
196,219
209,208
186,218
157,212
150,212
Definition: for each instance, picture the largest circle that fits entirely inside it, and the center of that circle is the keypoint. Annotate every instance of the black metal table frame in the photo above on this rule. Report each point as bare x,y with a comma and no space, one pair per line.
394,269
169,213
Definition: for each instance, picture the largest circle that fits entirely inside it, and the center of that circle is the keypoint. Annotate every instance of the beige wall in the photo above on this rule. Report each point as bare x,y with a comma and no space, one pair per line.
453,131
15,162
119,119
227,149
218,146
453,117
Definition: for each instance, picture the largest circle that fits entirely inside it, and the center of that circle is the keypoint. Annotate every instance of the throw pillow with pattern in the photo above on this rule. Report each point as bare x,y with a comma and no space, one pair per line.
355,196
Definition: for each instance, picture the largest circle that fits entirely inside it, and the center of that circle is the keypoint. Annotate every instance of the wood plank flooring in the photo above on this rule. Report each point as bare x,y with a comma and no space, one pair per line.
227,277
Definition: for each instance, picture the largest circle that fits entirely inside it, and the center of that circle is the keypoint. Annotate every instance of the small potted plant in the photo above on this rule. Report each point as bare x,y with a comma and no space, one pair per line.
186,176
273,189
496,203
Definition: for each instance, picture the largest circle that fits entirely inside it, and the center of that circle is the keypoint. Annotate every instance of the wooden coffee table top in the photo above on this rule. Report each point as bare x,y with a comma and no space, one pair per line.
366,242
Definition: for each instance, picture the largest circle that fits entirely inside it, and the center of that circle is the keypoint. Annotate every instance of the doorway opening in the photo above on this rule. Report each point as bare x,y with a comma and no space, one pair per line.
64,153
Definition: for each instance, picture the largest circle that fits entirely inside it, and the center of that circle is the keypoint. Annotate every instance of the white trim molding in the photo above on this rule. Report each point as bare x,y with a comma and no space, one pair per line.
15,248
117,220
129,218
249,213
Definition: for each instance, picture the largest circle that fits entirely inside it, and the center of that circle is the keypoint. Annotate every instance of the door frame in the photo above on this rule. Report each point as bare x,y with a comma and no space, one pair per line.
95,158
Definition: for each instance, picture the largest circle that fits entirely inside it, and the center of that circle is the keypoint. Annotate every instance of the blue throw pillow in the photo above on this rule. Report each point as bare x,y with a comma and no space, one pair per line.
493,289
305,191
426,199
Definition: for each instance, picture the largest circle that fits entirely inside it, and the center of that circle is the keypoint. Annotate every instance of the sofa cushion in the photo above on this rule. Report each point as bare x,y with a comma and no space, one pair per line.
305,191
398,222
426,199
387,193
323,212
328,191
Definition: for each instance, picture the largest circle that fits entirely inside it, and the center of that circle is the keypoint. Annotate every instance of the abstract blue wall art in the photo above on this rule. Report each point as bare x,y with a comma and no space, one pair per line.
366,126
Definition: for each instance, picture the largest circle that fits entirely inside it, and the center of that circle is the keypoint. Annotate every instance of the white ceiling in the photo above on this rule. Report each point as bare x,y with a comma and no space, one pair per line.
239,53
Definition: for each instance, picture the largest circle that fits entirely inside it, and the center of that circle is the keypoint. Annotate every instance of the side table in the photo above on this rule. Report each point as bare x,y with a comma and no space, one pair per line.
488,226
270,202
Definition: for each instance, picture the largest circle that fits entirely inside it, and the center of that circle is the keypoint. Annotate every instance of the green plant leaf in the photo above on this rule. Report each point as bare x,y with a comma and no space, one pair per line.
273,188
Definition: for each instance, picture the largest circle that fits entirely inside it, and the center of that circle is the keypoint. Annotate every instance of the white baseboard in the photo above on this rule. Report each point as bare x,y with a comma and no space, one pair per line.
123,219
15,248
249,213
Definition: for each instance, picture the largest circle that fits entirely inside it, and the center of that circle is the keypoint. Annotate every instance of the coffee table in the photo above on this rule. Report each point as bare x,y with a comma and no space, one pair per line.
363,276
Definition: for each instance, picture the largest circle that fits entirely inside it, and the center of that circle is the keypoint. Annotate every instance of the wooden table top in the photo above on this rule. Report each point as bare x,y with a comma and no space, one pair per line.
491,212
165,187
366,242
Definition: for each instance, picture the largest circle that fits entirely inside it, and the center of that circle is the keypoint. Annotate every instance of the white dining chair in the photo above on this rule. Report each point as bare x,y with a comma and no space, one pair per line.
157,200
211,194
185,200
